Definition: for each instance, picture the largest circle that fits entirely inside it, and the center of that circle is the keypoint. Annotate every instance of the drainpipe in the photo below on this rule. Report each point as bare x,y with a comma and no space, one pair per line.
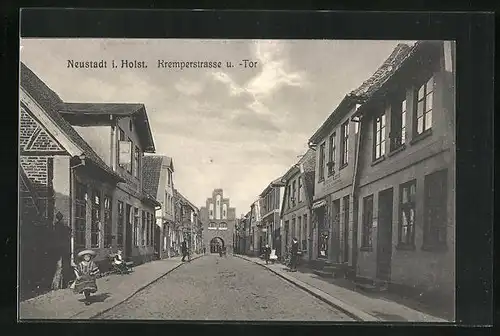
354,191
71,207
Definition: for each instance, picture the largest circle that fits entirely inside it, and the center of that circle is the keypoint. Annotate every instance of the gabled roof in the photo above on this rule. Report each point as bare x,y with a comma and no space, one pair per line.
151,171
50,101
274,184
184,200
358,96
77,113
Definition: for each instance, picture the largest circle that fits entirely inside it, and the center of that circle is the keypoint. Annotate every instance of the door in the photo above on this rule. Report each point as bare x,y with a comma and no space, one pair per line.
345,238
384,234
158,237
323,234
336,231
129,231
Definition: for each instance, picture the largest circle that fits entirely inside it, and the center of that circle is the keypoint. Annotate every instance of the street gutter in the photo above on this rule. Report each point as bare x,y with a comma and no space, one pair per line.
350,311
137,291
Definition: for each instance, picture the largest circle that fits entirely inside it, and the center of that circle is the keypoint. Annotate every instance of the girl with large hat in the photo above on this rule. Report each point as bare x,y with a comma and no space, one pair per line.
86,271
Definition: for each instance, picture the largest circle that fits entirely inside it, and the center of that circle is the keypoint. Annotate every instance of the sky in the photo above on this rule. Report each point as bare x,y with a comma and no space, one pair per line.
233,128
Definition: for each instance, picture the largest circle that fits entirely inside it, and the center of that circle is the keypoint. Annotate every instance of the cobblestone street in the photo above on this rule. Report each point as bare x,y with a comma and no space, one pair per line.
214,288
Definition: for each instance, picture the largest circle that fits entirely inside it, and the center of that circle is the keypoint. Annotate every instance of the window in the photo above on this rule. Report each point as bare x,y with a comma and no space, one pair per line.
151,228
125,153
212,226
299,234
424,106
169,177
130,125
108,223
136,227
223,226
435,205
80,215
407,213
119,226
321,162
144,235
331,154
136,166
398,123
306,233
345,143
366,237
299,194
379,139
95,227
294,192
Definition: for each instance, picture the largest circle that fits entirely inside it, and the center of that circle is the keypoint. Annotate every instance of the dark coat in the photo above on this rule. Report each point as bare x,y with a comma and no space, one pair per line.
184,247
295,248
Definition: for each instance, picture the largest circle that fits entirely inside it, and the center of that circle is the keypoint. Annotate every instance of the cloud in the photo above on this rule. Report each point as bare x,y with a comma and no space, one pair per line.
236,129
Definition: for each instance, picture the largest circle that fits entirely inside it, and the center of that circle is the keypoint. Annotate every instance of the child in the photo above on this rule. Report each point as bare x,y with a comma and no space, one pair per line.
120,263
86,272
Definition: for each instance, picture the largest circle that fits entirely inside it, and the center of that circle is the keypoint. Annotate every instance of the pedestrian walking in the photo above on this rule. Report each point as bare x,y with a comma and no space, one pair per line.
267,253
184,250
86,271
294,251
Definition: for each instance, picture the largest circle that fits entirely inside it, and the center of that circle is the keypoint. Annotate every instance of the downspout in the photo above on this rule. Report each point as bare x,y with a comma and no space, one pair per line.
354,192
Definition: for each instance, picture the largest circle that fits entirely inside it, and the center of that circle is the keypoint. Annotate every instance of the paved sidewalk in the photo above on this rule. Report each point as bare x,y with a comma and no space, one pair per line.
357,305
113,290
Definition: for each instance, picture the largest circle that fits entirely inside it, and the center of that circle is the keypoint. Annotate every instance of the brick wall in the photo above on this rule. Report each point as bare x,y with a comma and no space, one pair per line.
27,127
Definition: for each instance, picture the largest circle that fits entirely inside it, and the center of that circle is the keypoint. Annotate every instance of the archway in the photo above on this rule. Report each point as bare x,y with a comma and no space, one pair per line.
216,244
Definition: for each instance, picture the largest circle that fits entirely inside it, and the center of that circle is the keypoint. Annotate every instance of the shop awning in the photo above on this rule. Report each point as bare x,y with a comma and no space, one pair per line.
319,204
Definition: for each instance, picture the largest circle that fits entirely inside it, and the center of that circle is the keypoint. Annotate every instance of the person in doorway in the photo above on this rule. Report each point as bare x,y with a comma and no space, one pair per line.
267,253
184,251
294,251
86,272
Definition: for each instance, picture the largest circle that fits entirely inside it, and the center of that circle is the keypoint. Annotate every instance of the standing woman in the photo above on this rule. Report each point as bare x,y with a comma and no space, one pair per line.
86,272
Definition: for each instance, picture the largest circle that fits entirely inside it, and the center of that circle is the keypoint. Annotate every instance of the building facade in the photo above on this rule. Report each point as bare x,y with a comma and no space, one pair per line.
271,200
53,159
335,207
219,221
187,224
120,134
406,175
254,231
158,180
296,210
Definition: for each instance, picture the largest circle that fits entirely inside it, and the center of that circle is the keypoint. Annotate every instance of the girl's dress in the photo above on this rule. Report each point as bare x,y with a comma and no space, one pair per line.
87,282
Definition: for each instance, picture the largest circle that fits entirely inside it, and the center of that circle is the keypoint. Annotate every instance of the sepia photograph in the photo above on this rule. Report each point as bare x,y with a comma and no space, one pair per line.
237,180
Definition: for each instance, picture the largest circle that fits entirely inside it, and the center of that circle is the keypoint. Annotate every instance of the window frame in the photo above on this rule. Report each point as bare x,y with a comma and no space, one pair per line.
300,190
81,196
332,153
367,223
321,166
137,162
408,241
344,133
136,231
399,133
439,205
120,224
379,135
96,219
108,221
423,85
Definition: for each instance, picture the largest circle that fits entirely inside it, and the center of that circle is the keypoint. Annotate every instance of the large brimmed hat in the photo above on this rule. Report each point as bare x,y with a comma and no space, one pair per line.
84,252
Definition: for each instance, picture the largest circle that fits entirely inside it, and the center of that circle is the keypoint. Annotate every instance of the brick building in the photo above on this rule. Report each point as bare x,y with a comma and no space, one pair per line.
158,180
296,210
53,206
219,221
406,175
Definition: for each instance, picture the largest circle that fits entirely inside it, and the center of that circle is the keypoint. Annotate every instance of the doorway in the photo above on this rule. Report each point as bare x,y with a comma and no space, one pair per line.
345,238
128,233
384,234
323,233
216,244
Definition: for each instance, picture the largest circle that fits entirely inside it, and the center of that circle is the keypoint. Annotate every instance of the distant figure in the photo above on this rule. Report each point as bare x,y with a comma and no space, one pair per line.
204,250
86,272
184,250
267,253
294,254
120,263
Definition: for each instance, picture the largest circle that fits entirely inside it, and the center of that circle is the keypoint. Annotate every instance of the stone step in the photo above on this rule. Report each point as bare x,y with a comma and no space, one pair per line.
323,274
